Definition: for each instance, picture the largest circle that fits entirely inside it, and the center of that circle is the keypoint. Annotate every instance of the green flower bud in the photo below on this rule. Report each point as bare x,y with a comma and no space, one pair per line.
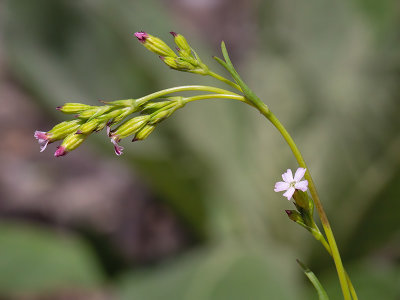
94,112
160,116
154,106
73,108
154,44
131,126
143,133
63,129
71,142
303,201
180,41
89,126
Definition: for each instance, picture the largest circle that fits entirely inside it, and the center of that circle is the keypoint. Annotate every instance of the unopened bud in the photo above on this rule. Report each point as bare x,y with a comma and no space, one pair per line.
154,106
303,201
295,216
154,44
71,142
178,63
131,126
73,108
180,41
143,133
63,129
94,112
160,116
89,126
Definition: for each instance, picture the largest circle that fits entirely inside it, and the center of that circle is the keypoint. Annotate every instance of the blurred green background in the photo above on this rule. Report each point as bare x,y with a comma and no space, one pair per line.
190,213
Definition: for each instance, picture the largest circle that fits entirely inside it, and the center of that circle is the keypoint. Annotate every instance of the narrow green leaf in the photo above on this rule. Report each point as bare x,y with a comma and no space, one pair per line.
314,280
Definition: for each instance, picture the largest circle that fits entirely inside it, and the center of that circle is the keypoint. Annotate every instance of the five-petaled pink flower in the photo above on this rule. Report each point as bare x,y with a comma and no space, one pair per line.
290,184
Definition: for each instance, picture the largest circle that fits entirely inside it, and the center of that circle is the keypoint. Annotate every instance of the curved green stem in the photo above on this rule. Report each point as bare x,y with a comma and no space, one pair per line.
324,219
223,79
211,96
202,88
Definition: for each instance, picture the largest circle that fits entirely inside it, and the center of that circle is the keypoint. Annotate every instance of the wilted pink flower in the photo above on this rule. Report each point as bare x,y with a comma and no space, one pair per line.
117,148
141,36
43,139
290,184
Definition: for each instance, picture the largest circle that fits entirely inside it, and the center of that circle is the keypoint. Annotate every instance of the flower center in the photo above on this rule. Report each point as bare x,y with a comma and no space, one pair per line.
292,184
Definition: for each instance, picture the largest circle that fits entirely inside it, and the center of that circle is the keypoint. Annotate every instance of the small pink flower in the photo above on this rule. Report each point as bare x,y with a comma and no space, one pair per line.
141,36
60,151
43,139
290,184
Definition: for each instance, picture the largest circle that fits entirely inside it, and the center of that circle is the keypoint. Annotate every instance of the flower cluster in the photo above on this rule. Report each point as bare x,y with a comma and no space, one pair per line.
89,119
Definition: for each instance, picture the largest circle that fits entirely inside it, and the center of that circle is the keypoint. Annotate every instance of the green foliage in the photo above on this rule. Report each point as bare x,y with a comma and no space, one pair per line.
36,260
230,273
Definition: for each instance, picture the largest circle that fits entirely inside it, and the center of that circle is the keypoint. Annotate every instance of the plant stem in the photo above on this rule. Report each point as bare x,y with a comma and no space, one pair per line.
321,238
324,219
223,79
201,88
211,96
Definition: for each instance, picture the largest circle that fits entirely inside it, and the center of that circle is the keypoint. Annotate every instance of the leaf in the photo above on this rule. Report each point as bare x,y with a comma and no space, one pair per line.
314,280
37,260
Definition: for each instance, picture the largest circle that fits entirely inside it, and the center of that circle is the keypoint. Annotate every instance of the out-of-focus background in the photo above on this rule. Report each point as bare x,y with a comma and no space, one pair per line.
190,213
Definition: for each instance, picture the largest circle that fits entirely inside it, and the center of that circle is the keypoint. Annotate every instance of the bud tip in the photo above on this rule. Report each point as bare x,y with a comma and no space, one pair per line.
289,212
59,107
174,34
141,36
60,151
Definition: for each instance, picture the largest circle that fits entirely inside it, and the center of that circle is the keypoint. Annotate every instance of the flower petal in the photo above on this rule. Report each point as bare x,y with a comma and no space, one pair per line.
302,185
289,193
281,186
288,176
117,148
299,174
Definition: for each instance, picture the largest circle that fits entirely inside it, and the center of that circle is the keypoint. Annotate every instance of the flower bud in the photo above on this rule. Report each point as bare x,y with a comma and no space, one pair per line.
180,41
161,116
143,133
178,63
154,106
63,129
131,126
71,142
94,112
89,126
154,44
303,201
73,108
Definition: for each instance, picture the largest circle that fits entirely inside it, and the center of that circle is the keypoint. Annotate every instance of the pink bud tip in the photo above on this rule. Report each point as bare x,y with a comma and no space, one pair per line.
174,34
60,151
59,107
162,58
78,131
141,36
289,212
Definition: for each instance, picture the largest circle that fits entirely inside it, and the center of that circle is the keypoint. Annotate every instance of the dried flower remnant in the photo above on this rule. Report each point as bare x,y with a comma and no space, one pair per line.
290,184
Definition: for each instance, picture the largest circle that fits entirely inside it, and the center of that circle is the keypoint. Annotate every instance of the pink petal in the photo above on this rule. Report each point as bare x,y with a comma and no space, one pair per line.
302,185
281,186
289,193
299,174
288,176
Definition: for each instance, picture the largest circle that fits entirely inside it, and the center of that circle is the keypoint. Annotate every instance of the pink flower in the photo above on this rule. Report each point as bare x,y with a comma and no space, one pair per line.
117,148
290,184
43,139
141,36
